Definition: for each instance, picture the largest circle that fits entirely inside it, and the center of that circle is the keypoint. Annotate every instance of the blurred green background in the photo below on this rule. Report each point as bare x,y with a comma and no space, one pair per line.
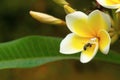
15,22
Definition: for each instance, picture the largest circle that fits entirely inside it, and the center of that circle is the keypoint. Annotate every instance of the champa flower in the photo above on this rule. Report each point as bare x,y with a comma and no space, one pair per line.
112,4
88,34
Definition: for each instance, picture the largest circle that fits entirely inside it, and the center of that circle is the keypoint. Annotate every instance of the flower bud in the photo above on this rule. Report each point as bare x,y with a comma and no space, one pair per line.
45,18
61,2
68,9
114,38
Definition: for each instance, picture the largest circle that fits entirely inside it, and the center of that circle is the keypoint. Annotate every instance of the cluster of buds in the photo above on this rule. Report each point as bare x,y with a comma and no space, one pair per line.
89,33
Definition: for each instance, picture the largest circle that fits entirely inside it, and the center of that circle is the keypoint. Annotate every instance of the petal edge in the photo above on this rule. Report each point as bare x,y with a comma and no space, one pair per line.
104,42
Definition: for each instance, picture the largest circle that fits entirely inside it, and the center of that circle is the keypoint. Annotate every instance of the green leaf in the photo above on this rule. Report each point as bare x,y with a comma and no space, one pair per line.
36,50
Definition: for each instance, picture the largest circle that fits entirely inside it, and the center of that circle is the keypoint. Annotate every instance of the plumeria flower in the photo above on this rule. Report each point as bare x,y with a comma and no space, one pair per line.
112,4
89,33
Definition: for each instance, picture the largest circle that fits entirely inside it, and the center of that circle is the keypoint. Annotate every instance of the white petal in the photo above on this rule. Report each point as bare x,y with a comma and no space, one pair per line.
72,44
77,22
99,20
88,54
104,4
104,41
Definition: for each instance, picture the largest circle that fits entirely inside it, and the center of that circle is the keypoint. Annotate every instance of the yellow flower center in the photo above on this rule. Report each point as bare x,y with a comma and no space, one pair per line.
90,43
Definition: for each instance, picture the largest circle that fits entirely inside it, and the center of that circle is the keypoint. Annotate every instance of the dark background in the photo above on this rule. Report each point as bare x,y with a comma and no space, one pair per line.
15,21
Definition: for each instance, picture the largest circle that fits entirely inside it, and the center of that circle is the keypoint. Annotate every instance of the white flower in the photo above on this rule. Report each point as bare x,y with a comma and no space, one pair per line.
89,33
